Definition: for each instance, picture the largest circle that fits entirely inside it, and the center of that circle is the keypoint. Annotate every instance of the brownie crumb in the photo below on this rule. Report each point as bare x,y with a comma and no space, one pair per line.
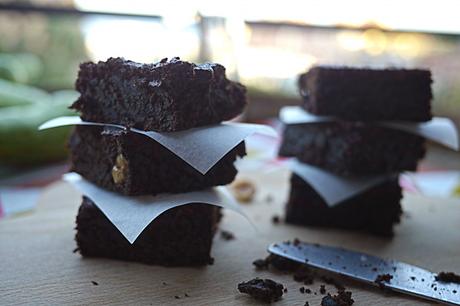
334,282
226,235
94,283
285,290
302,289
448,277
211,261
306,304
342,298
177,297
265,290
186,295
305,275
308,291
322,289
75,250
164,283
282,264
276,219
381,279
412,278
260,263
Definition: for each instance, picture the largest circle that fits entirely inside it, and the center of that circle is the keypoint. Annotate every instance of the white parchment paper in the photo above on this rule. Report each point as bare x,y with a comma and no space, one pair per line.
200,147
333,188
440,130
131,215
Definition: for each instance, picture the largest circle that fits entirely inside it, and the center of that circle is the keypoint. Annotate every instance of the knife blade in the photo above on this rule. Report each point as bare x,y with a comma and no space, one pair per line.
406,278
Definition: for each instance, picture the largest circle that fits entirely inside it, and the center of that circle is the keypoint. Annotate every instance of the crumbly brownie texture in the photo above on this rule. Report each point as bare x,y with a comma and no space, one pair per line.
353,148
181,236
342,298
367,94
132,164
166,96
265,290
375,211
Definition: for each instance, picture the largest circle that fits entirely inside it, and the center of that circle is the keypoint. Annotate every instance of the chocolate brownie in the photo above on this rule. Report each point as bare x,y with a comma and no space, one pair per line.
367,94
170,95
181,236
375,210
353,148
133,164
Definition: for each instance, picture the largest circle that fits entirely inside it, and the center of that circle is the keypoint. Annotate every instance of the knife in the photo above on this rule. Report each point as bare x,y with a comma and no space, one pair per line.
406,278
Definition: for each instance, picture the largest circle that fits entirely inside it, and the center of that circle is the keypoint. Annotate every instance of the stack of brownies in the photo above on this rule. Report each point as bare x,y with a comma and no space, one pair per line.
171,95
356,144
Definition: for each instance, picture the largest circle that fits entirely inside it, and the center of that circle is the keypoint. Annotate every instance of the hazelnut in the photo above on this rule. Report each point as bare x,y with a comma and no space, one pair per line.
120,169
243,190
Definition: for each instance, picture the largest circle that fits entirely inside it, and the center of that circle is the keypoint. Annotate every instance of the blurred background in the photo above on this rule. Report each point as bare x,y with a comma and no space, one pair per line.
263,46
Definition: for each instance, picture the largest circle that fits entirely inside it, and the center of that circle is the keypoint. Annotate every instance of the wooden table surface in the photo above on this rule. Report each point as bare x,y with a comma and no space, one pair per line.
37,265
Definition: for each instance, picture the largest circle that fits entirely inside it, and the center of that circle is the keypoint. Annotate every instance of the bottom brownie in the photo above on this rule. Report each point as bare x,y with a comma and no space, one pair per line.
375,210
181,236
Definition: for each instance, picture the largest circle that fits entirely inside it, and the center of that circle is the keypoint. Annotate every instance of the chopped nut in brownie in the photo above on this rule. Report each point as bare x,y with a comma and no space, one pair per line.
265,290
343,298
448,277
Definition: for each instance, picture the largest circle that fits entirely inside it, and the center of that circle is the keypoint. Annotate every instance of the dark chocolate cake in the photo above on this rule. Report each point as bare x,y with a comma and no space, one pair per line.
367,94
353,148
181,236
170,95
375,210
133,164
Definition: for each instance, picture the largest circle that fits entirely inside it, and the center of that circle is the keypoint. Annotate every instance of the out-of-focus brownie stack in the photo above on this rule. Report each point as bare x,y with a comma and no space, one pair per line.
354,144
168,96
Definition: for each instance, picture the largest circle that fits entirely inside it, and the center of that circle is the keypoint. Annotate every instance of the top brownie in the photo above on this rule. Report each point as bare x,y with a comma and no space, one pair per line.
367,94
170,95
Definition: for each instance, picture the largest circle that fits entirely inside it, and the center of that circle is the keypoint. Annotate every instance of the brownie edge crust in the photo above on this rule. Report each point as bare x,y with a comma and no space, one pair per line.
170,95
375,210
181,236
360,94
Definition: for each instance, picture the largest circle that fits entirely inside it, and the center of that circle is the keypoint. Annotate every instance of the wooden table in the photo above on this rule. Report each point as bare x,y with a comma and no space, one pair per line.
38,267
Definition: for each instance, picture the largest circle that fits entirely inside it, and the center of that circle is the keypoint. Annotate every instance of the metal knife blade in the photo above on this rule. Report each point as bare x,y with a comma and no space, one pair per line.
406,278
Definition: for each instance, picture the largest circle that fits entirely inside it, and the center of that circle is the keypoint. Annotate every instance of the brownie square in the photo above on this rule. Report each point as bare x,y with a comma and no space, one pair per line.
353,148
367,94
133,164
181,236
170,95
375,210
